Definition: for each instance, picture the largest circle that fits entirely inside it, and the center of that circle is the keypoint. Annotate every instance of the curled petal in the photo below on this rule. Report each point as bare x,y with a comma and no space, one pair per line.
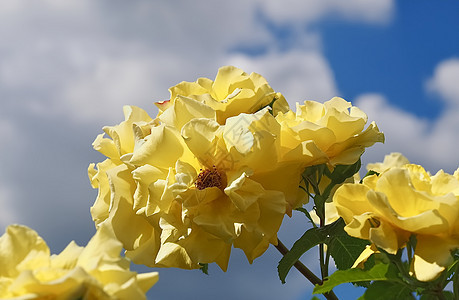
432,256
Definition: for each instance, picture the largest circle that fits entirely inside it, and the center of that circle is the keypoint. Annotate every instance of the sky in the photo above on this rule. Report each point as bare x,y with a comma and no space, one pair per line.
68,67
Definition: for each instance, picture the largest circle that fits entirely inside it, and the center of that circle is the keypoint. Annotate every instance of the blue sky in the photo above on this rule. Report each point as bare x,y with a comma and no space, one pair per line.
66,70
397,59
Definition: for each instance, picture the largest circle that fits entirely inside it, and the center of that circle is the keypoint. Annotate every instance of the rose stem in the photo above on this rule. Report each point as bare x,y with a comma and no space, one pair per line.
305,271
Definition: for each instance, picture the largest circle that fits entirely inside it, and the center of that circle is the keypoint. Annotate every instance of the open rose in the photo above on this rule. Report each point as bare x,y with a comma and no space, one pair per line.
404,201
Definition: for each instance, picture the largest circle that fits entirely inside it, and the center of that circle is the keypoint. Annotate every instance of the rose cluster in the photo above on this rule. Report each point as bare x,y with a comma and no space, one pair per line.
96,271
218,167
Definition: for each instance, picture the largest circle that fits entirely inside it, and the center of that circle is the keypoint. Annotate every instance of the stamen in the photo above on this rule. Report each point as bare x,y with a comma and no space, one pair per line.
208,178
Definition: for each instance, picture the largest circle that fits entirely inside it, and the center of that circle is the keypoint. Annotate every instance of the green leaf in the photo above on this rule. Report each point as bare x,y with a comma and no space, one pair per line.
306,213
343,172
448,295
309,239
383,290
340,174
312,176
343,248
429,297
204,268
378,272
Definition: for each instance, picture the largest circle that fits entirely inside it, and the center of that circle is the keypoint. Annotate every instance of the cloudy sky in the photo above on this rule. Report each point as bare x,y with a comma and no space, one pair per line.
68,67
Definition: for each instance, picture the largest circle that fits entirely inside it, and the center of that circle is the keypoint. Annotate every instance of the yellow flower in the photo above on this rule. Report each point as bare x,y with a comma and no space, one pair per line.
215,169
402,201
232,92
117,148
331,215
93,272
392,160
334,128
180,199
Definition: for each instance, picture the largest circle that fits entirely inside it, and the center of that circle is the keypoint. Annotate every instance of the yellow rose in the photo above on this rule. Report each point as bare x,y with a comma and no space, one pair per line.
334,128
232,92
402,201
180,199
117,148
392,160
93,272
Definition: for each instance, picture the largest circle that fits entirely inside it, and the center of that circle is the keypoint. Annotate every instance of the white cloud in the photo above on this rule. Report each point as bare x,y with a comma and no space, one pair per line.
404,132
84,58
101,93
432,144
299,76
7,212
445,81
292,11
11,141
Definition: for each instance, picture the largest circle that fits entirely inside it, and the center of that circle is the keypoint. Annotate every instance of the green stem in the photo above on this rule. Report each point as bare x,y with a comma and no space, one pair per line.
323,270
327,261
323,260
409,252
305,271
456,286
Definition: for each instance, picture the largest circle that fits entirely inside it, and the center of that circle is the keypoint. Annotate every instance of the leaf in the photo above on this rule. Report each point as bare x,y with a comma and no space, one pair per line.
382,290
204,268
309,239
378,272
340,174
343,172
428,297
448,295
306,213
343,248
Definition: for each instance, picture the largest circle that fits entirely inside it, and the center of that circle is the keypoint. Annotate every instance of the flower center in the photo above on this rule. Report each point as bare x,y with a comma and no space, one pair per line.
208,178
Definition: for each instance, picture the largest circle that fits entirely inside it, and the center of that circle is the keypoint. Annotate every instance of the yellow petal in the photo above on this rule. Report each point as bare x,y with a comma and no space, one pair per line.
190,88
21,248
272,210
350,200
201,137
364,256
185,109
243,191
432,256
349,151
426,222
225,77
68,258
123,134
286,178
392,160
388,237
149,190
99,179
161,148
106,146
